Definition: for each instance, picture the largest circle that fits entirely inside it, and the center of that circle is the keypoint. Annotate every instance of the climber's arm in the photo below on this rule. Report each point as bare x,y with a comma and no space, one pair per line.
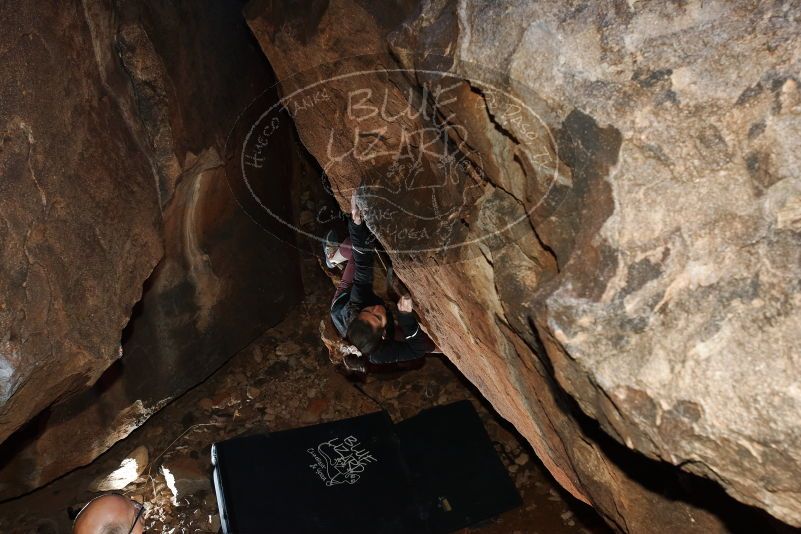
415,344
362,239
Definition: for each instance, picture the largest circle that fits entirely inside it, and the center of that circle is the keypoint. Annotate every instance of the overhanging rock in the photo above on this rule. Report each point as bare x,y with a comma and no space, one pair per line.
647,157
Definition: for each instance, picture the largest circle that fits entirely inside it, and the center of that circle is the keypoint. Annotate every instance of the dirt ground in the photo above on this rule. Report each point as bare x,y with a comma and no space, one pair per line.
284,380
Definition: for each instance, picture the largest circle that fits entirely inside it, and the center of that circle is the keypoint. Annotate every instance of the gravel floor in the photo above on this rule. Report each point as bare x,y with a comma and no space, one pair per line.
284,380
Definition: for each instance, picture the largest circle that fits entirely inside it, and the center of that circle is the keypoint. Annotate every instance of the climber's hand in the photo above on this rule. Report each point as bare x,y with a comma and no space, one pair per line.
355,212
405,304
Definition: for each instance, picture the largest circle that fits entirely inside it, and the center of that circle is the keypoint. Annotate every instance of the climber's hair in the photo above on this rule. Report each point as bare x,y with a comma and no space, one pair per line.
366,338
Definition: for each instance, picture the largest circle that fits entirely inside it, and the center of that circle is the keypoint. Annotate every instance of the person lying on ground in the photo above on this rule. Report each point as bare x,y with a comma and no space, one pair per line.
361,317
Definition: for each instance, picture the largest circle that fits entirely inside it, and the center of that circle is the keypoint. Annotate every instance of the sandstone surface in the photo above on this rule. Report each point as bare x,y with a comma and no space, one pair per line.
596,210
137,178
80,215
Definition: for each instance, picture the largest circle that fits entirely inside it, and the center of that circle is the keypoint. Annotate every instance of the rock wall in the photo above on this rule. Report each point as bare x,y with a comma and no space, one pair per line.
81,218
119,163
597,209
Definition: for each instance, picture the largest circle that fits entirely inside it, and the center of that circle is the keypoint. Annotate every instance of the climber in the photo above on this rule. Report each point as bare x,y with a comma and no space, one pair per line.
111,513
361,317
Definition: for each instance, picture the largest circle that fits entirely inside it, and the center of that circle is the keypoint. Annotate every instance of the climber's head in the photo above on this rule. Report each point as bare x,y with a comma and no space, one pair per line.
367,328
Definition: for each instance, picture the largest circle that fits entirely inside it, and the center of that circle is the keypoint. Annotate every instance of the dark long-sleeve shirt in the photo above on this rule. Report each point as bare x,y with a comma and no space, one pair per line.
357,294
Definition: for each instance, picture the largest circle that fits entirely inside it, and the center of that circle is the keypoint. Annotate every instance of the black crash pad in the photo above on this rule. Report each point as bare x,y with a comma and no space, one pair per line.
433,473
345,476
457,476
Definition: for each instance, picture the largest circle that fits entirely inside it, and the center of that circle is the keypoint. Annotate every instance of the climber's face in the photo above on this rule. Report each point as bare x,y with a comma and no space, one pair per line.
375,316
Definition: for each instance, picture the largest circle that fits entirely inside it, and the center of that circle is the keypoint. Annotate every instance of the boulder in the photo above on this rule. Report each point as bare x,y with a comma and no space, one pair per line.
185,477
81,221
161,74
131,468
596,210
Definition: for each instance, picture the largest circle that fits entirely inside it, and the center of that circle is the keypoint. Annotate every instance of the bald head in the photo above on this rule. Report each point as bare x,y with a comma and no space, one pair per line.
109,514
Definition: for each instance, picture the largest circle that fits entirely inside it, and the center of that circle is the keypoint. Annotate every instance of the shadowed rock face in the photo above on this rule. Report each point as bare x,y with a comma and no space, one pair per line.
80,216
647,157
116,122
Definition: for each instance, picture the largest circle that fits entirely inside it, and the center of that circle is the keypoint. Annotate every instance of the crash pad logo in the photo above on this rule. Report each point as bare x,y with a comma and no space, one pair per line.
340,461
